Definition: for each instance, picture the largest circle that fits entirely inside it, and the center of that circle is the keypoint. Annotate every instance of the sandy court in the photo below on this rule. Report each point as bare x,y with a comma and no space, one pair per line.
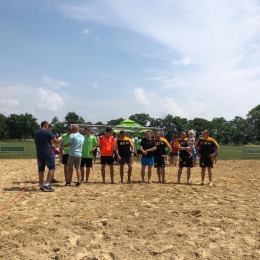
132,221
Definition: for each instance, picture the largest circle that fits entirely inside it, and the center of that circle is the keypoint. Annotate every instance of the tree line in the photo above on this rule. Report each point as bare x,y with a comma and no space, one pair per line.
236,131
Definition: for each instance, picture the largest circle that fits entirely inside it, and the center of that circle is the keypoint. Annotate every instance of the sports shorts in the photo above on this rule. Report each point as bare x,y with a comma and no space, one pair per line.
74,161
46,160
125,160
147,161
109,160
65,159
185,161
159,161
86,162
206,161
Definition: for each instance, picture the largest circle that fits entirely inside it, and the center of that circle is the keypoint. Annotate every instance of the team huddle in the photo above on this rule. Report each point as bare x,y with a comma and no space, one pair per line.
78,150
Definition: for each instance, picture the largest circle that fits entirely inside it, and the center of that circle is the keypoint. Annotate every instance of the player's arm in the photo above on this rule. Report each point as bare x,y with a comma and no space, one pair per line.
216,151
56,140
197,147
182,148
69,142
152,149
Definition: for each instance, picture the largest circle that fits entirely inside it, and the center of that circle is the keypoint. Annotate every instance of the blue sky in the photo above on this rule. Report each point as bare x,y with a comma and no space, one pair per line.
105,59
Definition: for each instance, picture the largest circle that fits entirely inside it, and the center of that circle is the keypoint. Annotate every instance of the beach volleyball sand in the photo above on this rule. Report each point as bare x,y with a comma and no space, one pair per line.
131,221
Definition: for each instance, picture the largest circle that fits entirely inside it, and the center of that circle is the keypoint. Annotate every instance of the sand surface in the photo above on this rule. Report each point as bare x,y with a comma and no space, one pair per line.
131,221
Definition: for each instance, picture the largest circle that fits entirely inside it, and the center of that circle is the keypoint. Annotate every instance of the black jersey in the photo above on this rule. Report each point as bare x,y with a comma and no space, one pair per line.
207,146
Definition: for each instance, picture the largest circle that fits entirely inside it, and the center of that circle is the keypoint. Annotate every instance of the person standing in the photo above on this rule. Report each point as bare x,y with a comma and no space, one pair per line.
124,150
207,148
45,157
185,160
106,144
160,154
137,148
174,152
147,147
65,154
89,146
75,143
59,148
94,158
53,180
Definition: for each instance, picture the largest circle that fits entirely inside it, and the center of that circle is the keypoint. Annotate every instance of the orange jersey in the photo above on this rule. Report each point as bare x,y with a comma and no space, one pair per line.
107,145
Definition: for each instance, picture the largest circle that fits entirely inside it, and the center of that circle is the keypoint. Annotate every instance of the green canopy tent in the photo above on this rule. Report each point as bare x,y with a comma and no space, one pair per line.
130,127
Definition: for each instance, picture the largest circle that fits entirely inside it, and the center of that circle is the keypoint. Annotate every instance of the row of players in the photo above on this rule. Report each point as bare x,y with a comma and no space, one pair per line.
78,152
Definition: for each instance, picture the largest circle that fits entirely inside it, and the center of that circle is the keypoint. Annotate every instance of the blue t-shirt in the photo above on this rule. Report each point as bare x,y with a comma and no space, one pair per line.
76,141
43,141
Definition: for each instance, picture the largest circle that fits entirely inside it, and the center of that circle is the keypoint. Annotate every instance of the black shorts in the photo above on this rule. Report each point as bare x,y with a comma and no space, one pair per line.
159,162
86,161
173,154
64,159
95,152
139,152
185,161
125,160
109,160
206,161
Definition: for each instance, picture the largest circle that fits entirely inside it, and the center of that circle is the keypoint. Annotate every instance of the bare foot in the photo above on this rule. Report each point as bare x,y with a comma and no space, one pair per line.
201,184
112,182
103,182
189,183
150,182
178,182
210,184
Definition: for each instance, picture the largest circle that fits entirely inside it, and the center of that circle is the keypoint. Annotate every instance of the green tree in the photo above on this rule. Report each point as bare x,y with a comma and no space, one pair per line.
142,119
57,126
73,118
99,123
169,126
199,125
177,124
3,127
253,118
115,122
156,122
240,130
14,128
220,128
29,125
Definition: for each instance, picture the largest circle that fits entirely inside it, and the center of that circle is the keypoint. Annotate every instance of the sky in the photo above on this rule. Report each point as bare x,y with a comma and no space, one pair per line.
105,59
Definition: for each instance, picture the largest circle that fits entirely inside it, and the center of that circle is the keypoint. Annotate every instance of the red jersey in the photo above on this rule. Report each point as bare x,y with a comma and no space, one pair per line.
107,145
174,146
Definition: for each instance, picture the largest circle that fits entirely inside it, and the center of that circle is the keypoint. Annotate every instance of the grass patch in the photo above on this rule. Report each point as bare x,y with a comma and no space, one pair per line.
226,152
231,152
29,146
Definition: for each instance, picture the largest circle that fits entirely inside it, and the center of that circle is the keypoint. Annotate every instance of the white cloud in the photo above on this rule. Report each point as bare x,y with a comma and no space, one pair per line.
183,61
54,82
221,37
155,105
50,100
11,102
85,31
141,97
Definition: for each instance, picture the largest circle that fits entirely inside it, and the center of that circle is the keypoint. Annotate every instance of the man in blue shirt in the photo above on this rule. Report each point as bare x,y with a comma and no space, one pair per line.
43,140
75,143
